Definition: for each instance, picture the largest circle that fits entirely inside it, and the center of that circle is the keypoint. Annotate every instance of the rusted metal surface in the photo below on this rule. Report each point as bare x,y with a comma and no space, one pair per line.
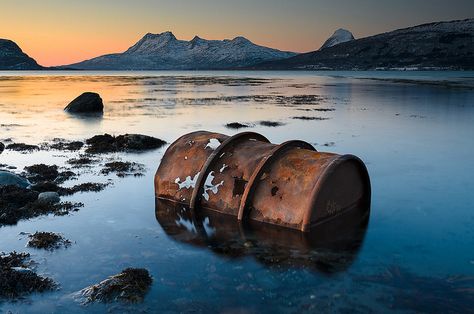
290,185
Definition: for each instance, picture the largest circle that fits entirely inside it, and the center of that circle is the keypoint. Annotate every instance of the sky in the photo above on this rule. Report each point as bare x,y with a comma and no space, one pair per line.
58,32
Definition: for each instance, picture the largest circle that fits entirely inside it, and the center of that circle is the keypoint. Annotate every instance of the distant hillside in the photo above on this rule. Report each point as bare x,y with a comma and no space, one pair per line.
442,45
13,58
165,52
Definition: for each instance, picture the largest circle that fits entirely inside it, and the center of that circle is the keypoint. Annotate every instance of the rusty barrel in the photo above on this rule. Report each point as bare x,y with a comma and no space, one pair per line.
244,175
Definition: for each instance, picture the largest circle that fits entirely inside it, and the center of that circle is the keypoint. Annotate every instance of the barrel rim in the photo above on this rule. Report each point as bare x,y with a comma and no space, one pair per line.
327,172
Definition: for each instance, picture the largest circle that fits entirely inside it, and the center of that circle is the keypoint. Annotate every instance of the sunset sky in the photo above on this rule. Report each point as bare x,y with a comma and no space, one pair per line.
57,32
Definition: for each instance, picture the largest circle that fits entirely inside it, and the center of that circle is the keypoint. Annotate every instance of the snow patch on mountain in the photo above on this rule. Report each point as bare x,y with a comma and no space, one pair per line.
340,36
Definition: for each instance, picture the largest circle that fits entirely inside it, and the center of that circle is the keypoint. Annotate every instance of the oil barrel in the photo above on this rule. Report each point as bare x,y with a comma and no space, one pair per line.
290,184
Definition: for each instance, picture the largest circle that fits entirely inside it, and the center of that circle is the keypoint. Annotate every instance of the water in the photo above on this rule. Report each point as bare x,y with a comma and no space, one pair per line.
413,130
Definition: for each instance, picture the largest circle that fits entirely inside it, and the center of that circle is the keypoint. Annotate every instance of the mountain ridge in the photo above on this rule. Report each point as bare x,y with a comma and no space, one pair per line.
164,51
13,58
436,45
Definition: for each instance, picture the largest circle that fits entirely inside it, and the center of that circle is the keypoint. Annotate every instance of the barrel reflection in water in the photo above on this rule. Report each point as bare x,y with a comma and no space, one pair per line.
330,248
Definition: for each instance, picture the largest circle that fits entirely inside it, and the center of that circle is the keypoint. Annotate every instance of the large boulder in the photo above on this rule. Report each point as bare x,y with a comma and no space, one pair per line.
9,178
87,102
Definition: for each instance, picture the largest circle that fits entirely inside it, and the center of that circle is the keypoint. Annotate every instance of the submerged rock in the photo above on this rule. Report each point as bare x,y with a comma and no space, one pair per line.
126,143
87,102
47,241
9,178
16,279
130,286
48,198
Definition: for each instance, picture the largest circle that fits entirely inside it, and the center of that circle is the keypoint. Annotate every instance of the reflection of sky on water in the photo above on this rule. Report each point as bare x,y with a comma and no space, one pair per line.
416,140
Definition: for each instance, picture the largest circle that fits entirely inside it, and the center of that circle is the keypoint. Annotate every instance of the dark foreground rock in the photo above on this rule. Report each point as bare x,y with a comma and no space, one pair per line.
16,279
9,178
87,102
47,241
123,143
130,286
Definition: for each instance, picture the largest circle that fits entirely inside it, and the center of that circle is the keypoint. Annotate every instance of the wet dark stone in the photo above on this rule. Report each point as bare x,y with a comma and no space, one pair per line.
128,142
87,102
47,240
17,280
2,147
129,286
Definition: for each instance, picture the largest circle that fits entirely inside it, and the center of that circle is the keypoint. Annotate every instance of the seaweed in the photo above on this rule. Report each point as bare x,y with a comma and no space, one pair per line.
237,125
22,147
107,143
271,123
123,169
17,280
47,241
18,203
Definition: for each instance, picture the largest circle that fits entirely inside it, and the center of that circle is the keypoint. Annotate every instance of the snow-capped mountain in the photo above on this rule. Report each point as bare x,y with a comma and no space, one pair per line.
339,36
165,52
439,45
13,58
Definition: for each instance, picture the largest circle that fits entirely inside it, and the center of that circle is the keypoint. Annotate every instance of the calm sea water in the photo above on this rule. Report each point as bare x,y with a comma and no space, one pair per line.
414,130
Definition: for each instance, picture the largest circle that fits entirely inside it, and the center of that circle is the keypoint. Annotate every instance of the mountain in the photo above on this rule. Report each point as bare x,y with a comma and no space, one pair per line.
441,45
13,58
340,36
165,52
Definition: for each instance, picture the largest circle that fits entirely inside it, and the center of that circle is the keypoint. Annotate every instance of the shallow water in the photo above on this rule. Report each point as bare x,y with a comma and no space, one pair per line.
414,130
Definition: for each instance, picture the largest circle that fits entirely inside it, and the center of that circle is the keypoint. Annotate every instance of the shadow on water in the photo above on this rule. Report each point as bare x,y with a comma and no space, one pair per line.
329,248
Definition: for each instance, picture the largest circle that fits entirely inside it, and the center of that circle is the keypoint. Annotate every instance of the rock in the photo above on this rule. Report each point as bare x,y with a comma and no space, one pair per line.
87,102
48,198
2,147
130,286
9,178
